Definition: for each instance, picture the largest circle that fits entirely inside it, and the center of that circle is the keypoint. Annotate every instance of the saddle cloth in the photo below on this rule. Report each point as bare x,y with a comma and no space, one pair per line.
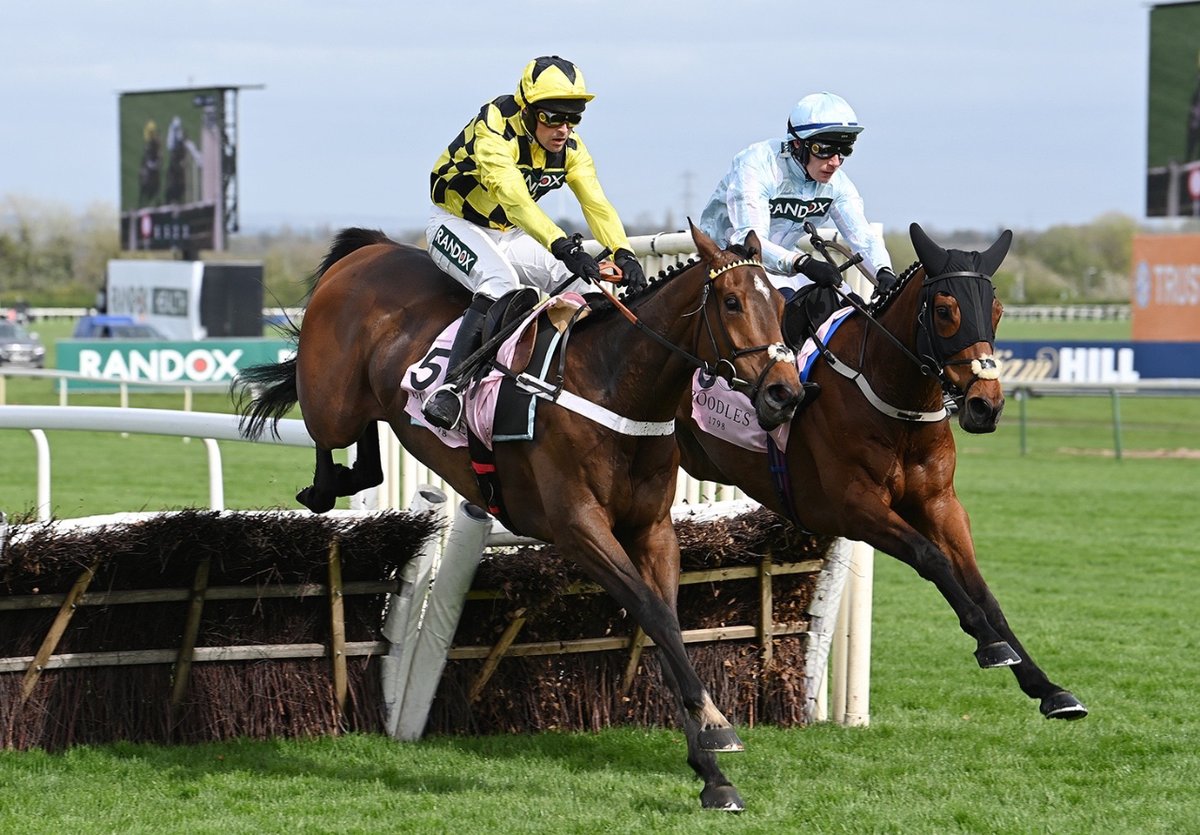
490,396
729,415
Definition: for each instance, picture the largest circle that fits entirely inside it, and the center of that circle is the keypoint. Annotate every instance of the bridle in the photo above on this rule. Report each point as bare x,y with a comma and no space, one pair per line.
975,320
931,361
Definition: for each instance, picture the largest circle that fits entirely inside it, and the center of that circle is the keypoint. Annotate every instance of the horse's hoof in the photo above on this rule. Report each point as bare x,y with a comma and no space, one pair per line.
718,740
1063,705
721,799
315,501
999,654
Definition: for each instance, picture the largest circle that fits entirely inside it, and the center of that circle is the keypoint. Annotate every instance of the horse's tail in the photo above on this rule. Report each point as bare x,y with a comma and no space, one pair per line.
265,393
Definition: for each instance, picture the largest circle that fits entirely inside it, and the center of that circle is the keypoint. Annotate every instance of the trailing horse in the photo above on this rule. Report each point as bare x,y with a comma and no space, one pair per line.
873,457
601,491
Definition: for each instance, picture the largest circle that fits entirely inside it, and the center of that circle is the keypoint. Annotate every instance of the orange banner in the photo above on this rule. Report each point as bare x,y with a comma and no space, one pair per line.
1166,288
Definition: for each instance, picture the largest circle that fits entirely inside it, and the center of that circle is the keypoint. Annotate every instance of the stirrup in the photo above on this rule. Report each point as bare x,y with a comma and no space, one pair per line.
444,408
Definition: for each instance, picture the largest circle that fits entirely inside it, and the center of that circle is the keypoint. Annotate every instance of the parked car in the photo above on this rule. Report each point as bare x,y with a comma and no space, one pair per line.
114,327
20,347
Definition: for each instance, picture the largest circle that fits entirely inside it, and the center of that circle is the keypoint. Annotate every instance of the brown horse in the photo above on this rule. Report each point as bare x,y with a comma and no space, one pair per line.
601,495
872,458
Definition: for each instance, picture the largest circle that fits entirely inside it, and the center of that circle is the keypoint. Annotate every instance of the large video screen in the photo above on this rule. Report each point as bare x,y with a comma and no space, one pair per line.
1173,140
172,169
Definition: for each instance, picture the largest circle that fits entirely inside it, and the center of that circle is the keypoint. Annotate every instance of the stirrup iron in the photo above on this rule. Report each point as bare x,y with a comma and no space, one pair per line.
444,408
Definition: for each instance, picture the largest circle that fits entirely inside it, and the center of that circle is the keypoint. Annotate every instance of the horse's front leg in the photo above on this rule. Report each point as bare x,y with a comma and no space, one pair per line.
655,551
950,530
871,519
585,535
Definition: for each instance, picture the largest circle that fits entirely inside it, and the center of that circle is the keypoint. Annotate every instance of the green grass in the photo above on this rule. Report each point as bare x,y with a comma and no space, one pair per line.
1094,560
1011,329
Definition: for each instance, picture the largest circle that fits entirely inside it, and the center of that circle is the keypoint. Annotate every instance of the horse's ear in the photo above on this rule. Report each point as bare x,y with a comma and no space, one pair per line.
990,261
928,253
753,245
705,245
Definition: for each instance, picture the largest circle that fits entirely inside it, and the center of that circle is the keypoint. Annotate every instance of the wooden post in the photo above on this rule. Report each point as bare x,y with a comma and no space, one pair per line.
636,645
766,610
57,628
191,627
337,621
493,659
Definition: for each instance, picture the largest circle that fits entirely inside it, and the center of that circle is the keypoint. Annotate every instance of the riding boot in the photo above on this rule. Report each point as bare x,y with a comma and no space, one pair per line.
444,407
798,325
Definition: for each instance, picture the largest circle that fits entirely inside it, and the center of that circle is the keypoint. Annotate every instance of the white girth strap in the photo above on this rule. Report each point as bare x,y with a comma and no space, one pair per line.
874,399
593,411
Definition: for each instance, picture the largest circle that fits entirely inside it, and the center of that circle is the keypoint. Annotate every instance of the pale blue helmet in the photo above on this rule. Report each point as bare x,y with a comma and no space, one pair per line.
823,113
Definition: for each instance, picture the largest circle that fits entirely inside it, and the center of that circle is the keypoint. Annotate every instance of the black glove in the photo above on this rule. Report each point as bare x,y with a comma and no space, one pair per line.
885,280
635,279
822,274
570,252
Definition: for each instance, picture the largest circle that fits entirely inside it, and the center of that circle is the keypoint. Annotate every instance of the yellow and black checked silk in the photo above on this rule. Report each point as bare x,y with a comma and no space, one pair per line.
493,172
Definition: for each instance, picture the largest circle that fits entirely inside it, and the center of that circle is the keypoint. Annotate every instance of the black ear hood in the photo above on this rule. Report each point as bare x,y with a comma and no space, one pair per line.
938,261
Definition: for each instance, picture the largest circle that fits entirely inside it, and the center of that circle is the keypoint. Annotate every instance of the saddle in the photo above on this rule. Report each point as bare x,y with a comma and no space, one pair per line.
504,315
806,311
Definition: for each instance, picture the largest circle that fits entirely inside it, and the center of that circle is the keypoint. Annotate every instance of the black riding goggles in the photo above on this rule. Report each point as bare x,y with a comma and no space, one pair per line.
827,150
555,119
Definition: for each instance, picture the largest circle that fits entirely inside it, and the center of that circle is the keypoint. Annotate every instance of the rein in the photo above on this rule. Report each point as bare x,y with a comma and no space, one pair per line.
724,368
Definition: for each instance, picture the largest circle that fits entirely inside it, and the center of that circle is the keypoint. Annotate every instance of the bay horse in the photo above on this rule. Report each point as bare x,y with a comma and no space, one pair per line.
872,458
601,495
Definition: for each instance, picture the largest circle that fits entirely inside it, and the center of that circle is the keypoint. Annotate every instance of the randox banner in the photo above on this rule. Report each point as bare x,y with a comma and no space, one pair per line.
209,361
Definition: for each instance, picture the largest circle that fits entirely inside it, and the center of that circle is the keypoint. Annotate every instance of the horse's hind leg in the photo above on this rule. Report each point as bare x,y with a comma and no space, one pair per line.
367,471
331,480
322,495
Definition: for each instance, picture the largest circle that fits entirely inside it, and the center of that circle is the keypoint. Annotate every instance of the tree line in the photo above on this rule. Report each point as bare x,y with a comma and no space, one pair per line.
51,256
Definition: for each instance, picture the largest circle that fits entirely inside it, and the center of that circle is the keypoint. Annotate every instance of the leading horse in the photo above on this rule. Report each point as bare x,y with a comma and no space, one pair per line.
873,457
601,494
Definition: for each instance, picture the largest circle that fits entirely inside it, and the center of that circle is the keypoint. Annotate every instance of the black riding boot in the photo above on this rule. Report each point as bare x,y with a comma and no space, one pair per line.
802,315
445,406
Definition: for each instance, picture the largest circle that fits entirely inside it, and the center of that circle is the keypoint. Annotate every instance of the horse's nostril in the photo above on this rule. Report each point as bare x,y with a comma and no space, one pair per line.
782,395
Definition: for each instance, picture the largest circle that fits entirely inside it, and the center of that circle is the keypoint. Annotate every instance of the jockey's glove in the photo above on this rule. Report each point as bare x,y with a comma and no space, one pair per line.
570,251
885,279
821,273
635,279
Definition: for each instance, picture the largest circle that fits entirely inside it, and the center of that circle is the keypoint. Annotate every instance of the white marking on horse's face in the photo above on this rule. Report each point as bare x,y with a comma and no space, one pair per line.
761,287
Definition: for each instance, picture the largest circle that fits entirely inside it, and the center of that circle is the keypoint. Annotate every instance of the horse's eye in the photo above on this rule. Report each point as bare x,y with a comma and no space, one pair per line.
732,304
943,311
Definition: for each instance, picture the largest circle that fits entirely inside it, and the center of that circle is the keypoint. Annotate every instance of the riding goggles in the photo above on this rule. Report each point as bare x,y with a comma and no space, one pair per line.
555,119
826,150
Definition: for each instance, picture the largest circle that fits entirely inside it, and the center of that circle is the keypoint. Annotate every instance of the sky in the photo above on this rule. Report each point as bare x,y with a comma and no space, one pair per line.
978,114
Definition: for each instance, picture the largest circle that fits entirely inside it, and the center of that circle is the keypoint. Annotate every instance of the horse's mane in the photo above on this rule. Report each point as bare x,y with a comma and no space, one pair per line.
881,303
602,307
347,241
